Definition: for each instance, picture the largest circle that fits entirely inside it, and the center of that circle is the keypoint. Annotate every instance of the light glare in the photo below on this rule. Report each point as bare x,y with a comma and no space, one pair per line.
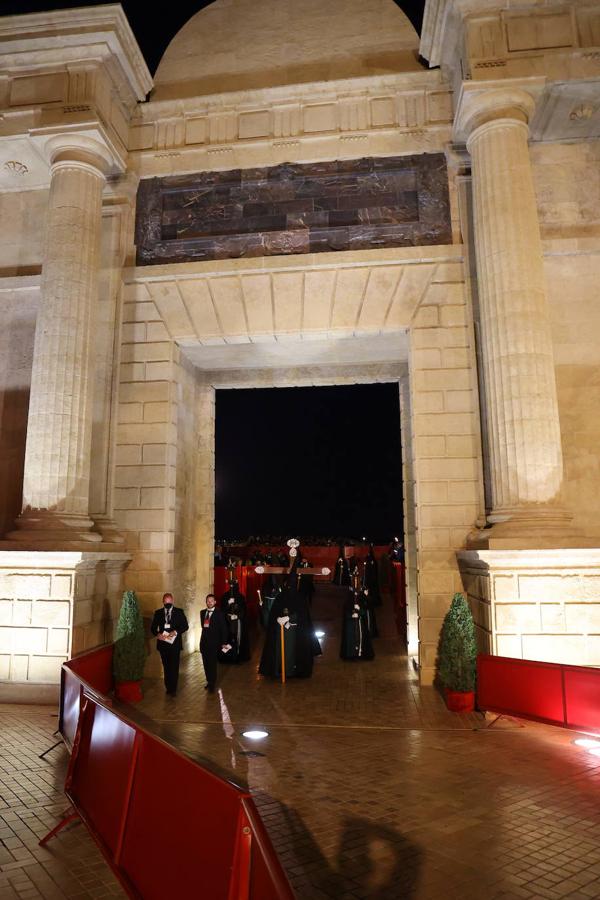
319,634
588,743
255,735
595,751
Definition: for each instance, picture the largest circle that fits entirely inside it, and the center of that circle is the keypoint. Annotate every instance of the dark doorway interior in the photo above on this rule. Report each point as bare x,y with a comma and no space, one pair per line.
319,461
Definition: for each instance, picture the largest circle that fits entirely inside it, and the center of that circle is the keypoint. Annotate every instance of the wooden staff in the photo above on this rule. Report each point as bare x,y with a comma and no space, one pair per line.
282,654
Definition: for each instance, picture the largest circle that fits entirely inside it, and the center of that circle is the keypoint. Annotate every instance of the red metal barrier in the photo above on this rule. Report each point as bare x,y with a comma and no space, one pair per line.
545,692
166,825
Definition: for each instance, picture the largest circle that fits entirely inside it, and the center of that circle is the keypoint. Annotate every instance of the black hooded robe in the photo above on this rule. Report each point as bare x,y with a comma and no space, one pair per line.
301,645
371,579
356,637
236,619
341,573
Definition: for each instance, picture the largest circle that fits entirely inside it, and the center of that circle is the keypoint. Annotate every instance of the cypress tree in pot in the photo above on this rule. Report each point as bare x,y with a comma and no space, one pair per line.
129,656
458,656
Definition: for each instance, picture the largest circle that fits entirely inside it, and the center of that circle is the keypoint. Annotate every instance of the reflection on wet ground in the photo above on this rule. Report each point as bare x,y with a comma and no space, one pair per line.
371,788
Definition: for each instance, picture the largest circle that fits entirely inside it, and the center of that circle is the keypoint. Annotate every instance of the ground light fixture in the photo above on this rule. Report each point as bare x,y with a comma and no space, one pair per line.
255,734
588,743
321,634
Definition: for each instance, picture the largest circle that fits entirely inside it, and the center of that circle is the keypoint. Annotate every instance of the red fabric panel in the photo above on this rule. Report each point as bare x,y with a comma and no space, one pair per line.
181,828
95,668
521,687
101,773
582,697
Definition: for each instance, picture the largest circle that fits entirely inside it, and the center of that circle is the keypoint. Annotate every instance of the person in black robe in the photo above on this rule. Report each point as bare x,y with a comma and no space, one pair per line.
341,573
371,578
290,610
233,607
306,583
268,593
356,637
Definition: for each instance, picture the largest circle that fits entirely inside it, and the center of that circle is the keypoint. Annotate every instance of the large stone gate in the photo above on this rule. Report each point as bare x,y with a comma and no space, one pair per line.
322,210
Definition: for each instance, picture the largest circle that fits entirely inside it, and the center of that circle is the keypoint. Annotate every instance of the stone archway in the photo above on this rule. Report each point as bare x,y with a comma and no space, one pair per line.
185,325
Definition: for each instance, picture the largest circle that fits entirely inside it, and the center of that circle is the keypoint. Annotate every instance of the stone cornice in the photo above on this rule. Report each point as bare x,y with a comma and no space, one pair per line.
41,39
352,112
368,85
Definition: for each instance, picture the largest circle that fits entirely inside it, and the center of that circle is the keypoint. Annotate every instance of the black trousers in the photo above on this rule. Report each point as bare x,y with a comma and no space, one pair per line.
170,660
209,661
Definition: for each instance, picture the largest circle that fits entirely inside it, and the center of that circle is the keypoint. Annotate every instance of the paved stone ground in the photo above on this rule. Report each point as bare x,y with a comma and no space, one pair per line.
369,787
31,803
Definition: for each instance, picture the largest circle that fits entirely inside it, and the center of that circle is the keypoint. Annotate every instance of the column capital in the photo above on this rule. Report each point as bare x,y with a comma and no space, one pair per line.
78,150
90,147
480,105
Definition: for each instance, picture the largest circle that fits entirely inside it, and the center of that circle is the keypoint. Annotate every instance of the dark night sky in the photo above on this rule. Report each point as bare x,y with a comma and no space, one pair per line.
309,461
320,461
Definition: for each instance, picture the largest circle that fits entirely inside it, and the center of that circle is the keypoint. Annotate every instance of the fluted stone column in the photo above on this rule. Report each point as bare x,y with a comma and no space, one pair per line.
57,455
520,385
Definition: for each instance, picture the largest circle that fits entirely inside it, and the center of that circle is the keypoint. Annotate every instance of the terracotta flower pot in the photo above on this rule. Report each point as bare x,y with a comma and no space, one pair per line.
128,691
460,701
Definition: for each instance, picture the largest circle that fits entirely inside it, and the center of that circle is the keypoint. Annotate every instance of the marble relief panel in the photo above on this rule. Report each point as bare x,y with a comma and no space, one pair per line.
294,208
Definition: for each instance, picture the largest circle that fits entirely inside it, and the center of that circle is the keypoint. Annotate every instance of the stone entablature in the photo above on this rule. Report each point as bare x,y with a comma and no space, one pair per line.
66,71
354,117
354,204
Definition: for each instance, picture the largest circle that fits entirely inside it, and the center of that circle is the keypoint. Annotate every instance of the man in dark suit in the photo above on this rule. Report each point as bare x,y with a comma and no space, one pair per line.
168,624
213,639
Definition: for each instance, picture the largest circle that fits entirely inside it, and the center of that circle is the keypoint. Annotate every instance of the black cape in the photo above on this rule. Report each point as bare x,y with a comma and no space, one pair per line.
236,619
301,645
341,573
356,637
372,579
269,593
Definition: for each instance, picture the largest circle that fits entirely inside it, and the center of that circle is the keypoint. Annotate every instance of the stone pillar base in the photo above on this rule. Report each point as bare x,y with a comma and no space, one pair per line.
53,605
47,529
541,604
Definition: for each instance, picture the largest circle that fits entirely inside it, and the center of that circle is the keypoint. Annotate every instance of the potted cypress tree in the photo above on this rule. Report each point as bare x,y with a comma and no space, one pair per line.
458,656
129,654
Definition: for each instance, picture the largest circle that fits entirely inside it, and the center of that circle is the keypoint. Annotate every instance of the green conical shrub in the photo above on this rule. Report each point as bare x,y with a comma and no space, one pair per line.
129,655
458,648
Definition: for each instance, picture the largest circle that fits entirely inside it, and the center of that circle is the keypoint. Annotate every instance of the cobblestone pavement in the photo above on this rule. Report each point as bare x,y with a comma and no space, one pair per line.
368,786
31,803
371,788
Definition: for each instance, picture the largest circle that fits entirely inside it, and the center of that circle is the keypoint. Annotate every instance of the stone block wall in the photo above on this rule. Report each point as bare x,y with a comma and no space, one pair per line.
446,447
537,604
53,605
567,181
146,449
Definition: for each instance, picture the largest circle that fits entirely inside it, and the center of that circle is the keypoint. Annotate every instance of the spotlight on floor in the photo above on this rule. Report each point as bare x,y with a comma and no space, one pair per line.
319,634
588,743
255,734
595,751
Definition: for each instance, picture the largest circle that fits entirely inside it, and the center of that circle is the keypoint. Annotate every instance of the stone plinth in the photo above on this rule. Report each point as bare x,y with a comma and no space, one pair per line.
53,606
536,604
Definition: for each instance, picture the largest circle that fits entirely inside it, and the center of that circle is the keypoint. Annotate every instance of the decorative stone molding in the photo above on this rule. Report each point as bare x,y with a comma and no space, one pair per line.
16,168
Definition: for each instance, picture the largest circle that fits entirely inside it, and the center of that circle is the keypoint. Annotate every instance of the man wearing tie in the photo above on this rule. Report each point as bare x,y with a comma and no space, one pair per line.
212,640
168,624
